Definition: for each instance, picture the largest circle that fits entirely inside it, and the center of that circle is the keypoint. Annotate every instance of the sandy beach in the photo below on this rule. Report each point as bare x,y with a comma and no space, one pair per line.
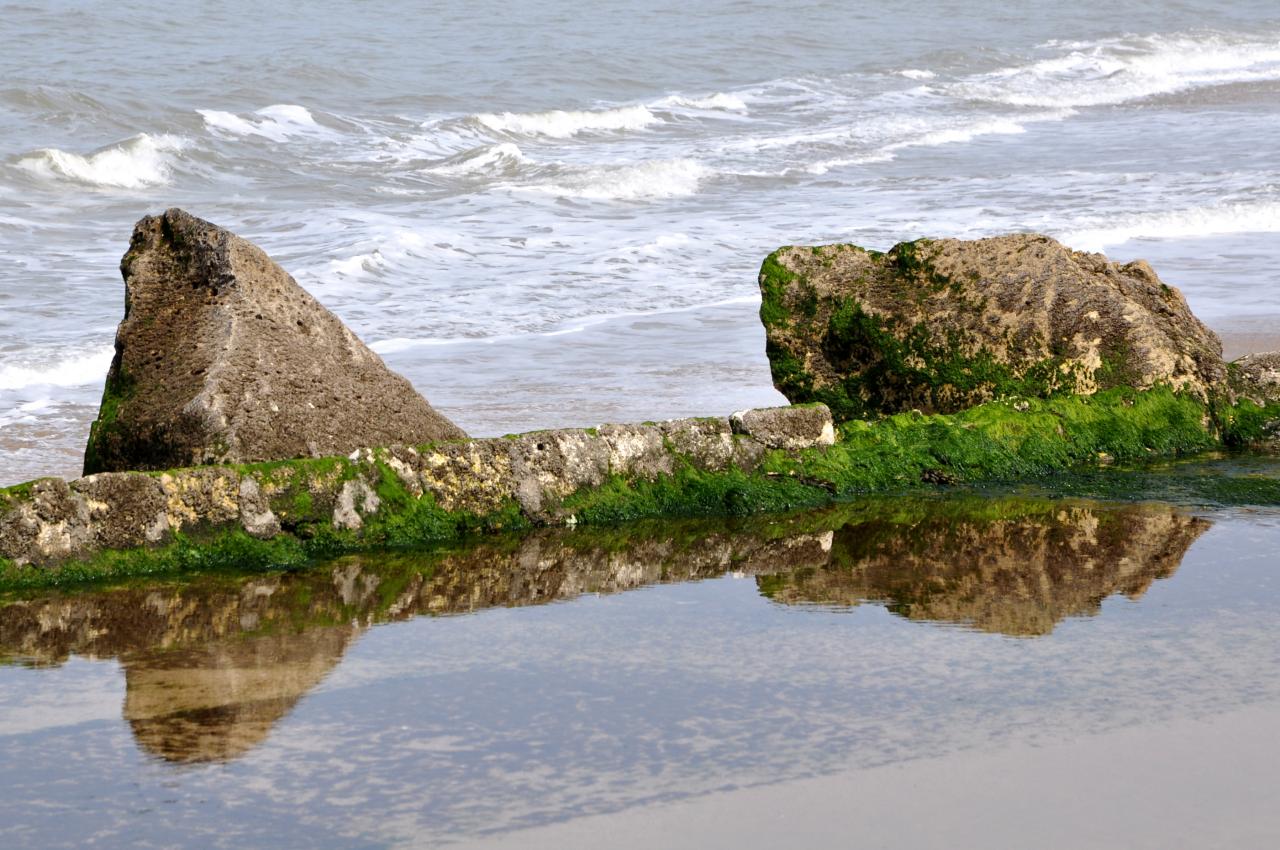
1247,335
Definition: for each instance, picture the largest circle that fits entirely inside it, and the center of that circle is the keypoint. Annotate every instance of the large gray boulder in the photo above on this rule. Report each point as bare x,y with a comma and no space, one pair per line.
941,325
222,357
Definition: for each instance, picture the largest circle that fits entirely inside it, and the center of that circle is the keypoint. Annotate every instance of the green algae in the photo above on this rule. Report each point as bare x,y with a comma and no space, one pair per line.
691,492
863,363
118,389
998,442
907,369
774,279
228,551
1057,439
1248,423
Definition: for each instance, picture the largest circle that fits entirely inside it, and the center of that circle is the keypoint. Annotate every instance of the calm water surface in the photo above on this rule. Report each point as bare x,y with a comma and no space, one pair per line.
547,691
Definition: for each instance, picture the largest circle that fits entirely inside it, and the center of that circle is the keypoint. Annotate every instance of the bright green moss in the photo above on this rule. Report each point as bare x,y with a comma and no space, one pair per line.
231,550
118,389
774,280
1002,441
1248,423
999,442
994,442
691,492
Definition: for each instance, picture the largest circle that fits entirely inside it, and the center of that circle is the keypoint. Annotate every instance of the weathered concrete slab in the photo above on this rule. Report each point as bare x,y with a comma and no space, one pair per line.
51,521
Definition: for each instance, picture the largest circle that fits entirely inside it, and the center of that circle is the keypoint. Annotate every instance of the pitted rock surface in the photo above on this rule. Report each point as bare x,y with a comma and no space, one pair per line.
52,521
787,427
222,357
1257,377
941,325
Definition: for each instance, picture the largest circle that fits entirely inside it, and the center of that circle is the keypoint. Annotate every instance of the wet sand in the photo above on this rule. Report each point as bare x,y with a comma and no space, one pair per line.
1184,784
1243,335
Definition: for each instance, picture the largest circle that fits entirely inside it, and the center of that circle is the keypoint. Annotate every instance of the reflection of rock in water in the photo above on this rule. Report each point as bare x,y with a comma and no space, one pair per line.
1017,575
212,663
216,702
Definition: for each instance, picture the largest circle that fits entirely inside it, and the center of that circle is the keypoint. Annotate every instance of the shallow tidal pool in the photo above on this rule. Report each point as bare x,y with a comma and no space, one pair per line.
1005,670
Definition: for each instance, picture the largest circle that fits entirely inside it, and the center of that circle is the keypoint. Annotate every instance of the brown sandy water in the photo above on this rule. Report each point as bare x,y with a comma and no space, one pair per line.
915,672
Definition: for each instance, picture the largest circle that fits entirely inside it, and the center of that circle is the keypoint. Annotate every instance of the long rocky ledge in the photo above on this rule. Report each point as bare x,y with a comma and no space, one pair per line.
944,361
285,513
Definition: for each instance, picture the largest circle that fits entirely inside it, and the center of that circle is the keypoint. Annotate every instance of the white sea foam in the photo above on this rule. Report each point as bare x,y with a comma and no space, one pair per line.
69,371
917,74
278,122
141,161
993,127
392,247
501,158
1120,70
718,101
1217,220
946,135
398,344
669,178
560,124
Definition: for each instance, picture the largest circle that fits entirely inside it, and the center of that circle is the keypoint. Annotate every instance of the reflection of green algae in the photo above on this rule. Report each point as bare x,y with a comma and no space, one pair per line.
1017,570
953,537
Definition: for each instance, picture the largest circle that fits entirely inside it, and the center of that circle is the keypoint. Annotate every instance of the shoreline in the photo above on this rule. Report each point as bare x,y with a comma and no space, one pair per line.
1243,335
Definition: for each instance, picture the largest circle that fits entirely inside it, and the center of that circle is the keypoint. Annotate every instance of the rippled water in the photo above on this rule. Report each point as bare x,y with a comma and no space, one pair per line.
465,697
552,213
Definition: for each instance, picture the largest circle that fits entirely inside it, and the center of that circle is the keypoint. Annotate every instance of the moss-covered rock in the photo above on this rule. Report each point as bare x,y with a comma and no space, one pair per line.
287,513
1255,383
943,325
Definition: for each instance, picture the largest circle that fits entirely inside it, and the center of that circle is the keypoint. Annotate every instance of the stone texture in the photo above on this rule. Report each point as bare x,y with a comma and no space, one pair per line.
1257,377
49,521
788,428
222,357
941,325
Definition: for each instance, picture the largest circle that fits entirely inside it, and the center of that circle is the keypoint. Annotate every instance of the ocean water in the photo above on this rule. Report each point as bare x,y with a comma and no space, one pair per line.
552,213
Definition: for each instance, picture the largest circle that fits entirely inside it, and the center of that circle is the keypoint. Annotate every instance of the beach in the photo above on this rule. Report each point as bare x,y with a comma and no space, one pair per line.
940,601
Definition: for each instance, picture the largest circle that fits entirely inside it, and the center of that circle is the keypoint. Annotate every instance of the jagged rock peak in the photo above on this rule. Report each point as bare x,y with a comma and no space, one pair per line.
222,357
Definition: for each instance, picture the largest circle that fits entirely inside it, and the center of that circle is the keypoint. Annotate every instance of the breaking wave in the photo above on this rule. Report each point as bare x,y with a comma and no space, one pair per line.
1216,220
502,158
718,101
278,122
141,161
73,371
560,124
1120,70
929,138
671,178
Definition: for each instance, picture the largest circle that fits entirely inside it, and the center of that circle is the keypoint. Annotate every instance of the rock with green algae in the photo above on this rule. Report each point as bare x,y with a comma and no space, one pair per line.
223,358
398,496
942,325
288,513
